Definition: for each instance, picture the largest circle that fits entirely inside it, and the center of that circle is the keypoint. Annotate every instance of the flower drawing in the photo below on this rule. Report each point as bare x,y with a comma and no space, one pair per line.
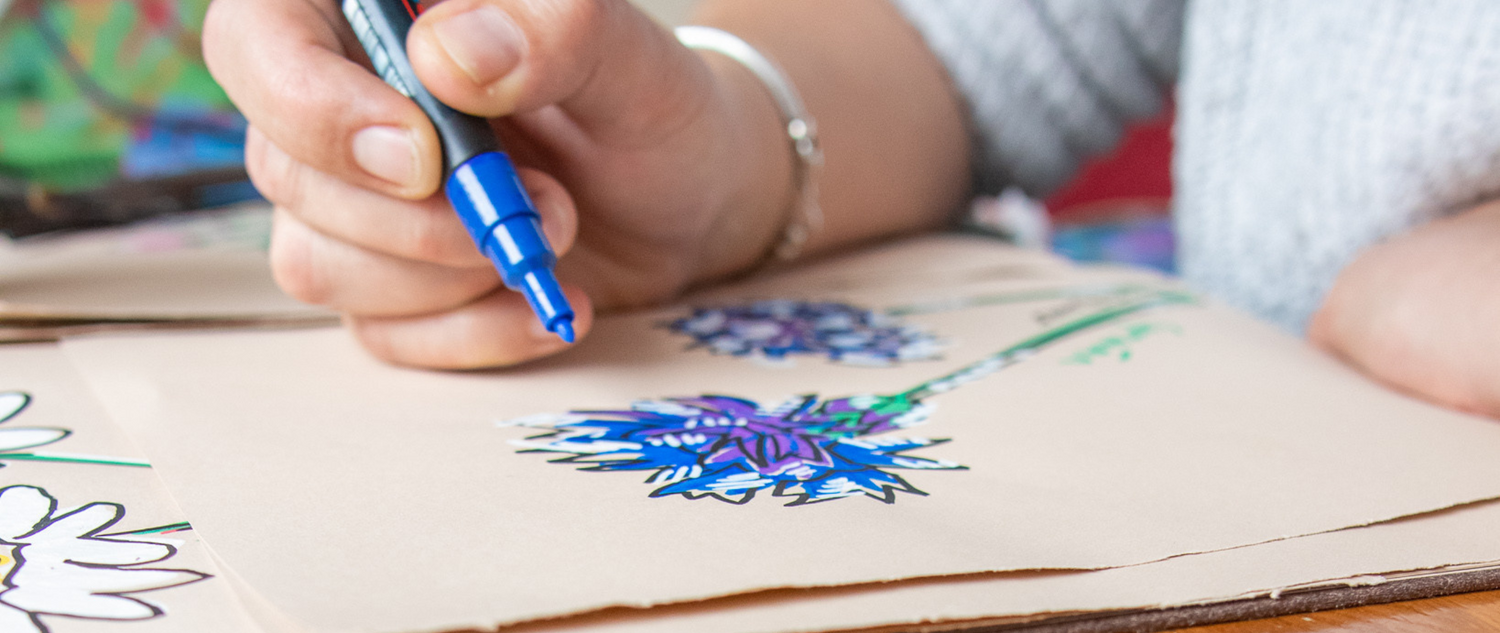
16,442
731,448
22,437
57,563
805,448
777,329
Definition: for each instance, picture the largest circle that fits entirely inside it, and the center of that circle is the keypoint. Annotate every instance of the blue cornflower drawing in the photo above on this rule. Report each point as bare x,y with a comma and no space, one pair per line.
805,448
777,329
731,448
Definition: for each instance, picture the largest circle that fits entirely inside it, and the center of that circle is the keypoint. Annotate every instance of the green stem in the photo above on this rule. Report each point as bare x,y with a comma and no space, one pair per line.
79,459
1004,298
160,529
1015,353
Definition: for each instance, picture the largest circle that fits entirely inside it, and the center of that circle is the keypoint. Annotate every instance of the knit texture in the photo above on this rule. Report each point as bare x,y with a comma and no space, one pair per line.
1049,83
1307,131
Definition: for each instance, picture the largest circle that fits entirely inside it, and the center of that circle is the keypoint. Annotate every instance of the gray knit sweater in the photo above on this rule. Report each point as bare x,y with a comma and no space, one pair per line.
1306,131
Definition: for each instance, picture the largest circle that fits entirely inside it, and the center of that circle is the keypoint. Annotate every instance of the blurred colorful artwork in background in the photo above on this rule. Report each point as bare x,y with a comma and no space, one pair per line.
95,92
1145,240
108,115
1119,206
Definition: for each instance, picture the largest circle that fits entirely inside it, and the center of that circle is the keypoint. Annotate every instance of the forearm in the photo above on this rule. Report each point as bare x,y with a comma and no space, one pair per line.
1422,312
896,151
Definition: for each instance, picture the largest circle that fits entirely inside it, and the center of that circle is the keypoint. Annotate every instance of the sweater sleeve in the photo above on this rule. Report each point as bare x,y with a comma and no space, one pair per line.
1049,83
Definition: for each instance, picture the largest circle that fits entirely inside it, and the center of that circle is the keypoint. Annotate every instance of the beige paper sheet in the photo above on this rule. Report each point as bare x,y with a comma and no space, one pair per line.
209,266
157,574
1353,557
1357,556
295,451
51,331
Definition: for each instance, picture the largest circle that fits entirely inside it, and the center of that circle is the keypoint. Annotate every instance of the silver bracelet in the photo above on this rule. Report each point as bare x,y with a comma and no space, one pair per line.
800,129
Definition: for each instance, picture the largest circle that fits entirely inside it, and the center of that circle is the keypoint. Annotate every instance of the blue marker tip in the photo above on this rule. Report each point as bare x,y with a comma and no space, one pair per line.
563,328
494,208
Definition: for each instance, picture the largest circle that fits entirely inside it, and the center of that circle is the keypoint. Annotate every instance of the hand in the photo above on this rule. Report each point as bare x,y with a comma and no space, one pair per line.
1421,312
653,167
679,167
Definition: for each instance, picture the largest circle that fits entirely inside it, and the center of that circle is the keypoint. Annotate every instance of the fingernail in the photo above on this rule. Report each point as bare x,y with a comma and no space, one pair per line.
484,42
387,153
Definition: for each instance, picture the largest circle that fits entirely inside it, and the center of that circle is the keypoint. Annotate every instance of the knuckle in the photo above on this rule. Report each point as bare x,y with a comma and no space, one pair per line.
482,351
272,171
215,33
293,268
657,93
295,91
425,243
306,97
572,32
434,238
376,338
583,21
257,165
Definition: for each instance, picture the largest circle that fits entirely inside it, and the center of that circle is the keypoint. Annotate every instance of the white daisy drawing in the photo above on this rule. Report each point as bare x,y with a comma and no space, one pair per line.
23,437
61,564
16,442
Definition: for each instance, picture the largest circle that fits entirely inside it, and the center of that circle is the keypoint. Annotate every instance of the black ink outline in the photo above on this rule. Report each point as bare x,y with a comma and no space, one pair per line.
908,333
754,461
26,400
95,534
591,462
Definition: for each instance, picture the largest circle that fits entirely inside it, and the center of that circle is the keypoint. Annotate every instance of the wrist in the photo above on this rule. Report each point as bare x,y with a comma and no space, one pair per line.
760,192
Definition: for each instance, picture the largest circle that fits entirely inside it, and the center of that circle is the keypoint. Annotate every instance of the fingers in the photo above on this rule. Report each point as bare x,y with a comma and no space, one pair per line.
405,272
614,70
497,330
286,65
425,230
321,270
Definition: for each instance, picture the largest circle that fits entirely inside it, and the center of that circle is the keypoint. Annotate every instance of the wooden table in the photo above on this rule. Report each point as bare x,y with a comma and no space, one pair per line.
1449,614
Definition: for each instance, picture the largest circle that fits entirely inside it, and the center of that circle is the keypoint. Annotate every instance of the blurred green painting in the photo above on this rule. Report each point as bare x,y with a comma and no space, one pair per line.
94,91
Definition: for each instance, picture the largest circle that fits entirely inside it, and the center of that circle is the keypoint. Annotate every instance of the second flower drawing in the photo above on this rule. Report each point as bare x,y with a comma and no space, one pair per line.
807,448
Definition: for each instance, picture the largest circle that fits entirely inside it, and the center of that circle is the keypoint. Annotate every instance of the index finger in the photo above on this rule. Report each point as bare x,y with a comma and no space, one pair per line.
286,65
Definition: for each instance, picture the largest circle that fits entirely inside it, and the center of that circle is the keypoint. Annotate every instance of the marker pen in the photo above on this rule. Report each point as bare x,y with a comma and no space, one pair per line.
479,178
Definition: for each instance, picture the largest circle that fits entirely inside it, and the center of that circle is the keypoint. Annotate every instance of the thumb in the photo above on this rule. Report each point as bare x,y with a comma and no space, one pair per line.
609,66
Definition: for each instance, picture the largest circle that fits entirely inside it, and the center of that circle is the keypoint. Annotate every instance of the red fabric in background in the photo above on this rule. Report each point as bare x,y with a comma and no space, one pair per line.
1137,176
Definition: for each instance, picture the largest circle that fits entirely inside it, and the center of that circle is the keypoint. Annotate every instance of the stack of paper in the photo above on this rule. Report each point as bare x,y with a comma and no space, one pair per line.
945,433
206,270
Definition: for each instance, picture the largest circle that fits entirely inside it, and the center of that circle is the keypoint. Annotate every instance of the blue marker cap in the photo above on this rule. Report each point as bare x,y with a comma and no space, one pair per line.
493,206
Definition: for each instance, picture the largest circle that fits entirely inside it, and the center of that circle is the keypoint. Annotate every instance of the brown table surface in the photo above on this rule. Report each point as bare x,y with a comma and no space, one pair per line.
1448,614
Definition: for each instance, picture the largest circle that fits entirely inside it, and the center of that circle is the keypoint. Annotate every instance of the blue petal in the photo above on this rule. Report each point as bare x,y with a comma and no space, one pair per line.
733,483
885,452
